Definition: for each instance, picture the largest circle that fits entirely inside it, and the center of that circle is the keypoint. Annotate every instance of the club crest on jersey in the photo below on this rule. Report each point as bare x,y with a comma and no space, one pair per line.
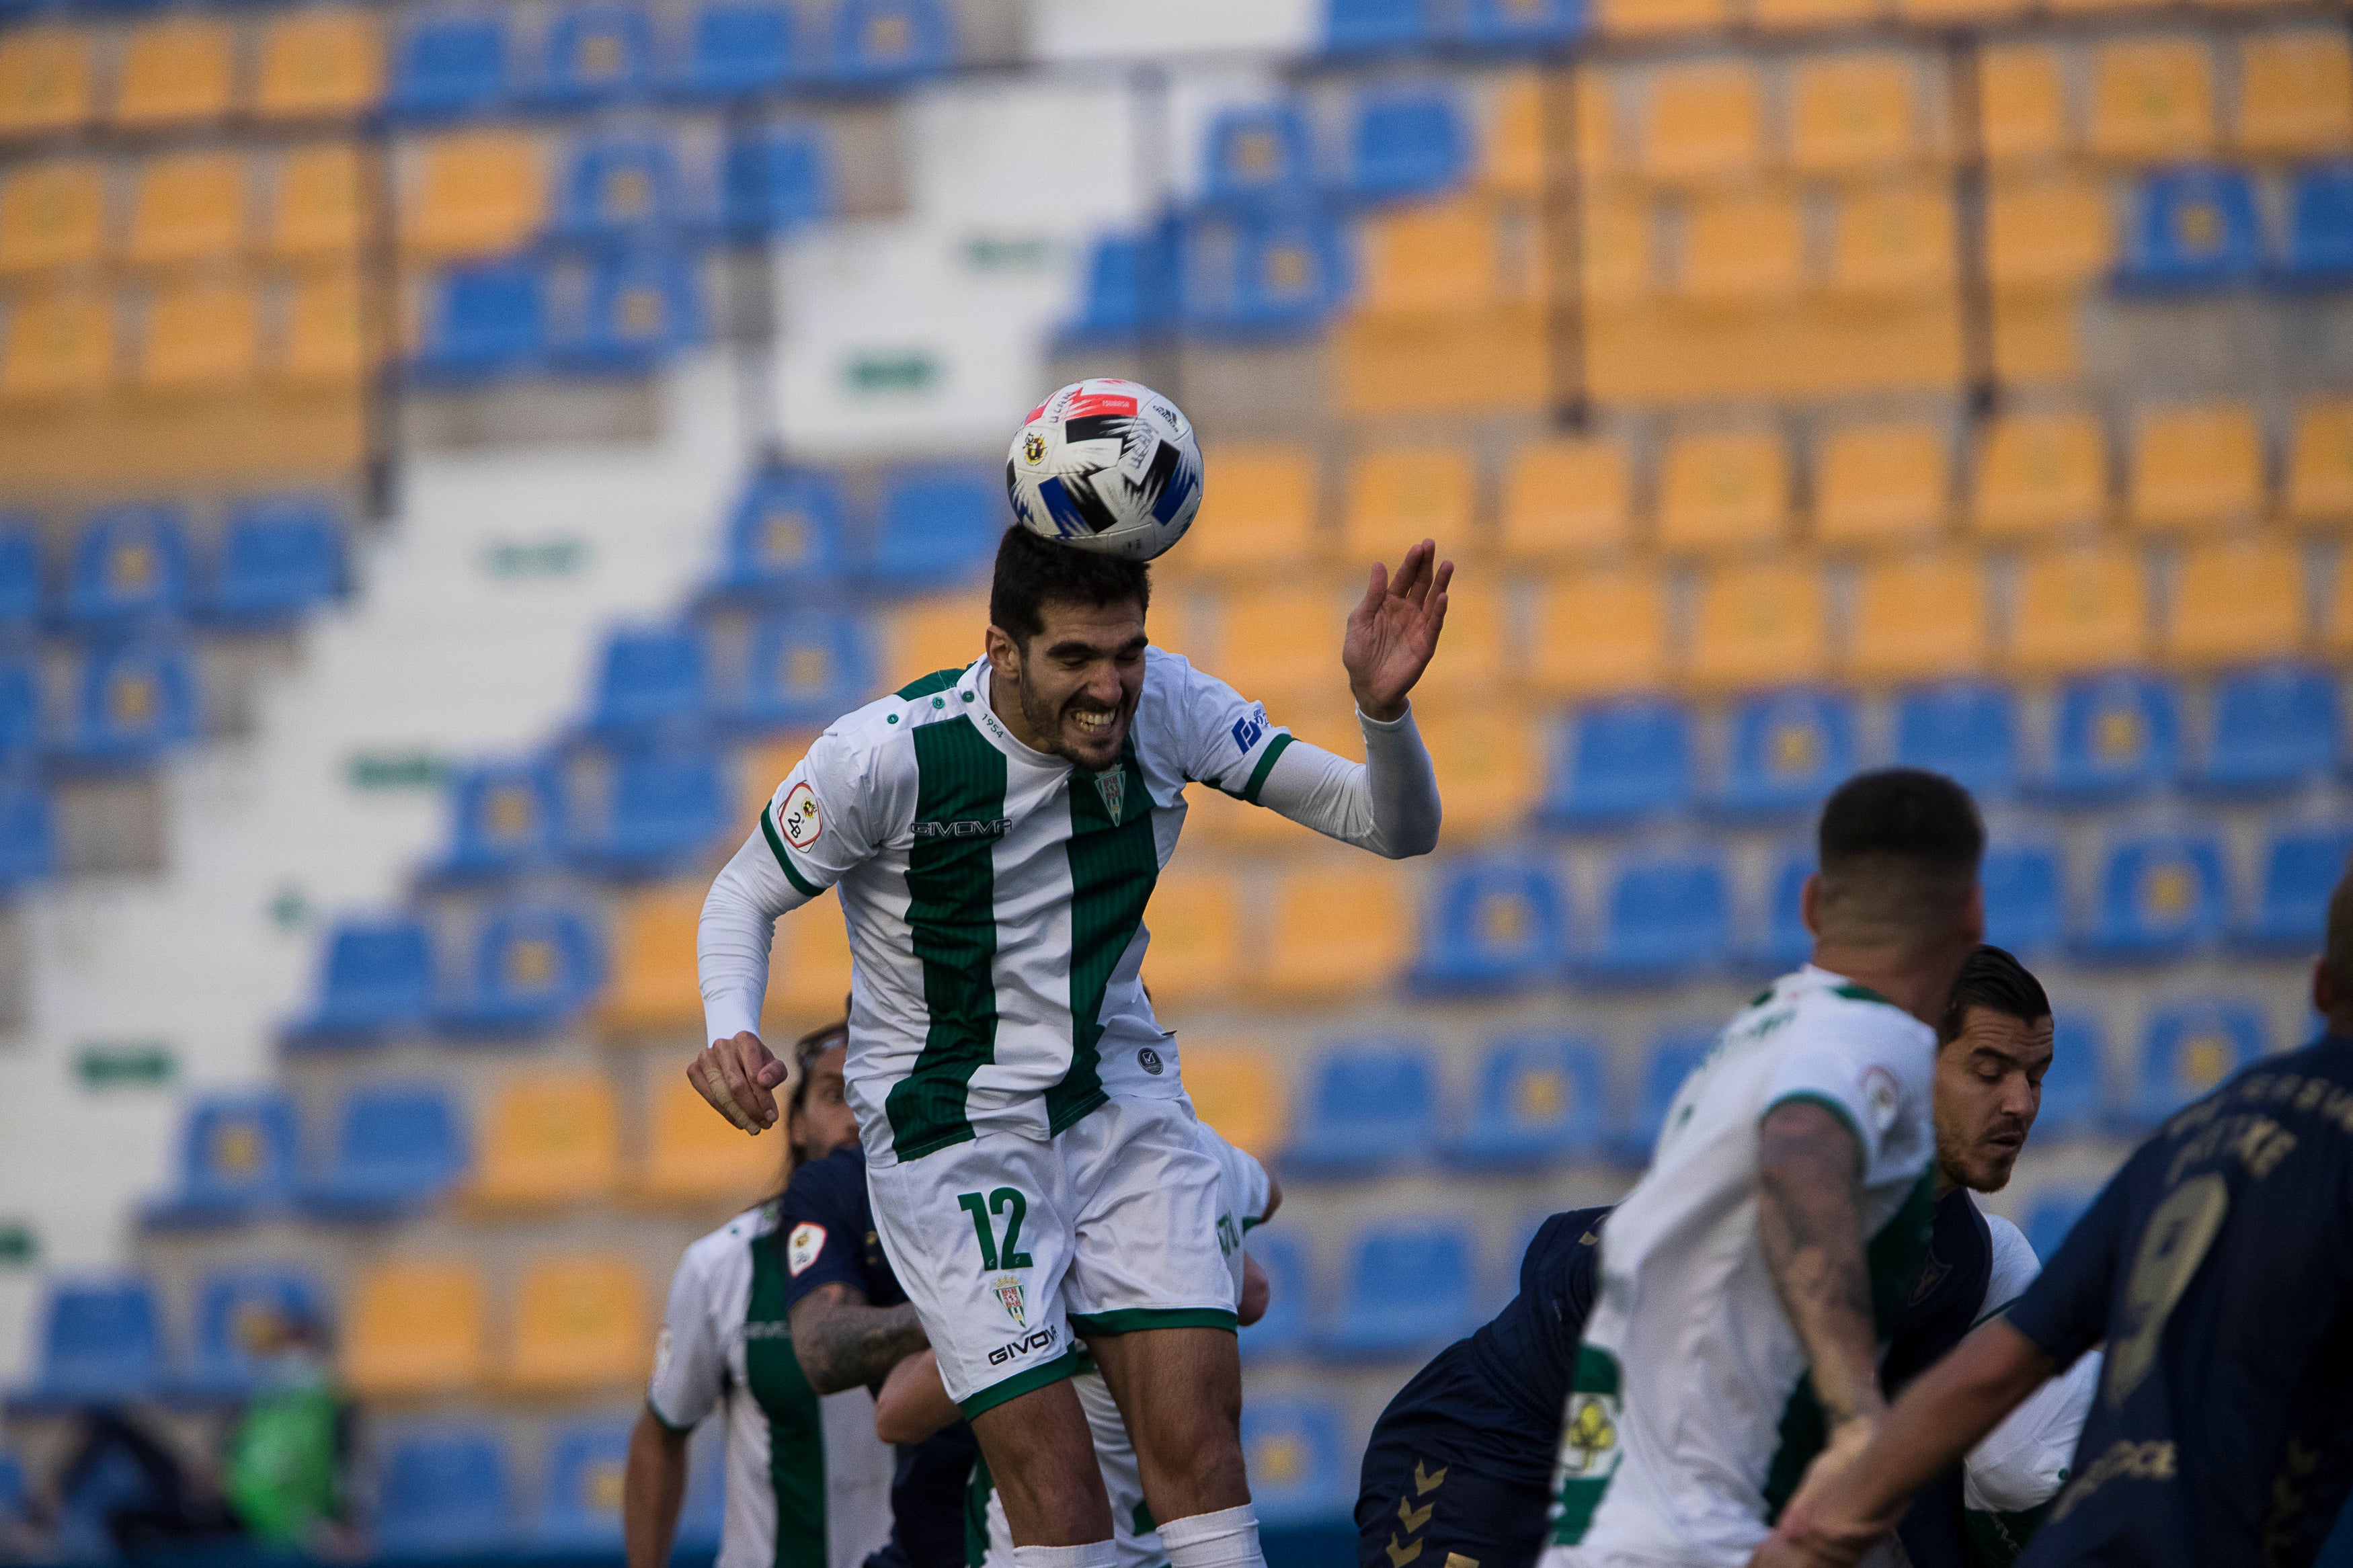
1008,1293
796,817
1113,787
802,1246
1589,1437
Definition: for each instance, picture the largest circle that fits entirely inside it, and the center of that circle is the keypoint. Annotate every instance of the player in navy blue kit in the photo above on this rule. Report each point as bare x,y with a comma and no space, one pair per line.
2218,1268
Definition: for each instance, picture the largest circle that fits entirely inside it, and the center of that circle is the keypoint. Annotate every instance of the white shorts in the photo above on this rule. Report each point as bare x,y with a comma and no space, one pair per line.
1008,1245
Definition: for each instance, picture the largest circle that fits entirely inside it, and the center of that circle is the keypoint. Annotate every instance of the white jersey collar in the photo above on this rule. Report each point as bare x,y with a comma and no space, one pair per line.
985,719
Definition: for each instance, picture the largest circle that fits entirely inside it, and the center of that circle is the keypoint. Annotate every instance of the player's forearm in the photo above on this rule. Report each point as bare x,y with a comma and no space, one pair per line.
731,944
653,1486
845,1344
1812,1230
914,1401
1387,804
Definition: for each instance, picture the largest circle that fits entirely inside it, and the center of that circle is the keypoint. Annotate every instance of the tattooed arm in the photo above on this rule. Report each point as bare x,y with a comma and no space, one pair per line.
1811,1228
842,1342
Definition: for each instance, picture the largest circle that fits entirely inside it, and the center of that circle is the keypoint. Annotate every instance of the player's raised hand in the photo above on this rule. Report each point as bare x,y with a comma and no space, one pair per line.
735,1076
1394,629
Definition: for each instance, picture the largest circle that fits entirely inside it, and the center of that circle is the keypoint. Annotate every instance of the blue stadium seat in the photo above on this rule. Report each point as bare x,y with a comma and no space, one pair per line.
444,1492
28,832
1299,1474
884,43
1966,730
596,54
20,707
1407,1291
650,680
2053,1215
785,535
1271,277
580,1494
279,555
236,1160
2187,1049
2320,227
2114,736
377,979
129,563
939,526
1663,919
2193,229
1354,27
399,1147
644,306
619,189
1783,942
534,966
1543,1099
444,66
482,320
1291,1287
20,569
2026,909
1259,156
241,1313
806,667
776,179
102,1343
1132,287
1666,1062
1616,760
1407,145
661,807
2301,868
1522,24
1371,1109
132,702
1789,749
1492,925
736,47
504,817
2160,897
2074,1092
2275,728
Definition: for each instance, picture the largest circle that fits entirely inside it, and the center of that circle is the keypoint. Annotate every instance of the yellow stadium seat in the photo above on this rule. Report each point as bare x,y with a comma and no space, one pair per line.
579,1326
477,193
1796,13
1650,18
1398,497
1485,759
2048,232
318,202
1703,122
320,64
1259,513
2022,95
2236,601
1478,637
1280,640
1568,496
695,1156
1724,491
1601,631
187,206
808,978
60,345
2295,94
1615,249
2040,473
763,767
1952,13
1512,162
944,632
330,336
2080,608
1431,259
1194,918
1852,113
1921,618
552,1136
2336,624
653,986
45,81
1744,251
1334,930
200,337
1880,484
1236,1089
52,215
2197,467
2321,464
412,1329
1894,244
1213,817
174,72
1760,625
2152,100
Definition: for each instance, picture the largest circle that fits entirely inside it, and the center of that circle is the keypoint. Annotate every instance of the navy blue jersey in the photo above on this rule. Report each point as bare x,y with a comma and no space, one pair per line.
1945,1302
2218,1268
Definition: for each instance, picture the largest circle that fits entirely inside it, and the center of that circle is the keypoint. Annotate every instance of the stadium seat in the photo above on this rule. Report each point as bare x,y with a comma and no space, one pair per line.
1407,1291
2273,729
2112,736
2192,229
1600,633
777,178
2022,100
129,564
652,680
236,1160
1373,1109
46,81
474,193
2237,600
101,1344
2197,467
739,47
1565,496
1131,281
481,322
320,64
1787,749
1258,156
1334,932
1662,920
877,43
1240,1088
200,336
1299,1473
2320,227
655,808
2025,907
939,527
504,817
2079,609
643,307
279,556
2320,462
174,72
1399,495
377,976
1618,264
1521,24
2189,1048
28,832
1724,492
2047,233
2040,474
1966,730
2074,1096
1194,918
1406,144
533,967
1260,514
448,65
579,1326
1542,1100
2301,868
20,571
1893,245
596,53
693,1158
61,347
1853,114
1667,1060
804,667
1742,250
444,1492
1491,925
1613,762
547,1138
1781,941
2160,899
2054,1216
785,535
1275,277
1882,484
1702,123
21,726
653,989
1652,19
1921,616
186,207
398,1148
941,632
818,976
1760,625
618,188
2152,98
1284,1331
132,702
1356,26
1276,641
241,1313
331,338
580,1499
2295,94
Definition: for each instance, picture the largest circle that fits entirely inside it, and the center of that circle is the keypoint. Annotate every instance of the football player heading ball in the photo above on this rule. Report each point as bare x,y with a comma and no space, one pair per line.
995,833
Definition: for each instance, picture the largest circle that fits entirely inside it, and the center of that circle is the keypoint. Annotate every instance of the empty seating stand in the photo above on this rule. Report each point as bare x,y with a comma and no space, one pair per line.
398,1148
101,1344
1493,925
375,980
237,1162
1371,1108
1541,1099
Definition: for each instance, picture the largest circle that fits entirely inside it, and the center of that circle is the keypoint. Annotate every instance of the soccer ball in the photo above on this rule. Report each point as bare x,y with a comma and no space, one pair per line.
1108,466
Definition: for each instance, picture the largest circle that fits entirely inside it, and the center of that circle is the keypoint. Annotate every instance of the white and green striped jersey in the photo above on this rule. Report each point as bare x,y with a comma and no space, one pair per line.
809,1483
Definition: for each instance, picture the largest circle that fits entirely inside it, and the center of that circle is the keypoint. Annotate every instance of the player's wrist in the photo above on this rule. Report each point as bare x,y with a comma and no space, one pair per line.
1378,711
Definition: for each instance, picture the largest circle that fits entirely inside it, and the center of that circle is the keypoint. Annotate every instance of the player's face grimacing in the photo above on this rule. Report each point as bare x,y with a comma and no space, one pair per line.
1078,680
1988,1088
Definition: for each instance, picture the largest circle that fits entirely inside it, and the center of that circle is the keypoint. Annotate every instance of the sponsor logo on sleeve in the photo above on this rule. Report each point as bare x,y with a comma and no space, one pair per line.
798,818
802,1246
661,1352
1251,728
1879,1097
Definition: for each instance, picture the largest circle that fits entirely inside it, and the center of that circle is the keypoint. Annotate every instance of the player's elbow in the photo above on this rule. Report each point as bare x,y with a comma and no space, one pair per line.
895,1423
1408,843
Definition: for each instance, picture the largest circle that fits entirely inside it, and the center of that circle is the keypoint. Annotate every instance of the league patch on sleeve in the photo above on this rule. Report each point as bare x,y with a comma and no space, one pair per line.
661,1352
802,1246
1879,1097
798,818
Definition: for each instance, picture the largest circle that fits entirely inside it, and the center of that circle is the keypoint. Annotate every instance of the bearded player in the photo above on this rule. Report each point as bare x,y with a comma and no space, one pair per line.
995,833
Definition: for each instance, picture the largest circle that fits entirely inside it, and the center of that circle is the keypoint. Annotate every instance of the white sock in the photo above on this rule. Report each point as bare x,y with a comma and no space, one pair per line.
1094,1554
1226,1539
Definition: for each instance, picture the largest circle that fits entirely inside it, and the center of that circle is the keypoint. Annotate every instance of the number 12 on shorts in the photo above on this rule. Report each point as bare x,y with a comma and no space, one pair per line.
992,1257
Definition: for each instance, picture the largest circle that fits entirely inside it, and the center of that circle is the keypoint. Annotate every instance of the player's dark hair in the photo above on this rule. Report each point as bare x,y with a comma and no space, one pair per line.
1992,980
1033,572
1899,851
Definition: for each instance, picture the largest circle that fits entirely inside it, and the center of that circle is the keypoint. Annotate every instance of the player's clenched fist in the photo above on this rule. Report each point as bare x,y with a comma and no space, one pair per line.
735,1077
